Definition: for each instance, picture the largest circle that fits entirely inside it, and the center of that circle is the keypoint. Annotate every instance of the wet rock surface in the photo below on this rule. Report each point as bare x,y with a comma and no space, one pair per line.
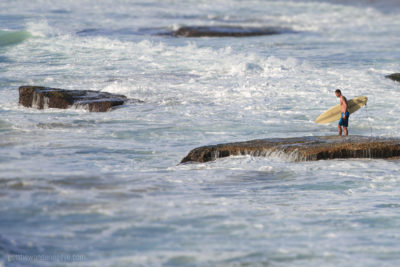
302,148
394,77
44,97
226,31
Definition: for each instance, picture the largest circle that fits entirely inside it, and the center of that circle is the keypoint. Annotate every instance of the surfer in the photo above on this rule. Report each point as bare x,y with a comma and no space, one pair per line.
344,119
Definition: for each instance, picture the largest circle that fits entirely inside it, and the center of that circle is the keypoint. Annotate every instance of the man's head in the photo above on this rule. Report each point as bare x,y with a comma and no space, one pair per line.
338,93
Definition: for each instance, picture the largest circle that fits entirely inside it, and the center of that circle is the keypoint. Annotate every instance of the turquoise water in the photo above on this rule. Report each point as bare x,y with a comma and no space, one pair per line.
108,188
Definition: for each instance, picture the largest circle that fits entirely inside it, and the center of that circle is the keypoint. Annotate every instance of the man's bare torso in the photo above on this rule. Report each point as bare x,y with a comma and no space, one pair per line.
343,104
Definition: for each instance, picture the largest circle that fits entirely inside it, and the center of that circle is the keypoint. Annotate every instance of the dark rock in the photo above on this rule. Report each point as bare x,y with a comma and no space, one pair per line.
302,148
394,77
225,31
44,97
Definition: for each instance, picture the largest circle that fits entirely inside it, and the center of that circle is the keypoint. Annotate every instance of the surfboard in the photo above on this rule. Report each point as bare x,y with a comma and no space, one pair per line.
334,113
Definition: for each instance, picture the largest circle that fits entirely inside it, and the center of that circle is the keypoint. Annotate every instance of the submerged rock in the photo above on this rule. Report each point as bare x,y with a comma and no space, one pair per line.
225,31
394,77
302,148
44,97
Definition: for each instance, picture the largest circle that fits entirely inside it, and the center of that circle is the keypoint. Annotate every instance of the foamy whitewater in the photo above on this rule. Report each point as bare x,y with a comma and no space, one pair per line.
107,188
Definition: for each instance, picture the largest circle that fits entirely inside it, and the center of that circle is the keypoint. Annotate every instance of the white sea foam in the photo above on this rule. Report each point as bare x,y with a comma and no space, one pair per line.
114,178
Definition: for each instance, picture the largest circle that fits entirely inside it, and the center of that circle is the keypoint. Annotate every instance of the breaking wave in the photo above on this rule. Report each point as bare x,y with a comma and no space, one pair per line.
12,38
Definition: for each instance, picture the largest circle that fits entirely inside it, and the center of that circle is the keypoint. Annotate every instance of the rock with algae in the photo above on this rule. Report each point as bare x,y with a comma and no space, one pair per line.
226,31
394,77
302,148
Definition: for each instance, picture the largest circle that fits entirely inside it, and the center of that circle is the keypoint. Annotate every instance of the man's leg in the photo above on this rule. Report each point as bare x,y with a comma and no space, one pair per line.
340,129
346,123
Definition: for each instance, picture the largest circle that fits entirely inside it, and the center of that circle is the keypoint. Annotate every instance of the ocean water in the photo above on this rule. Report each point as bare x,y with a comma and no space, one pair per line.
108,187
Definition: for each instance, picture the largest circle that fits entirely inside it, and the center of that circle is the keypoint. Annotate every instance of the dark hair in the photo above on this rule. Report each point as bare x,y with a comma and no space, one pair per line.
338,91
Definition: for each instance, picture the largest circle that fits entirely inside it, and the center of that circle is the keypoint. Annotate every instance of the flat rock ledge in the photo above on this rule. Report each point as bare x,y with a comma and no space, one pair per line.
302,148
226,31
394,77
44,97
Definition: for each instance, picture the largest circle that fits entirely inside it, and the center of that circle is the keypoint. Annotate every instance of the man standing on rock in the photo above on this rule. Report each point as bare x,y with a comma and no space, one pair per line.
344,119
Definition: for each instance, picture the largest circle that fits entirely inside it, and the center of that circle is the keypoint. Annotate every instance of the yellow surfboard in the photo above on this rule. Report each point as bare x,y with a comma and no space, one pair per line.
334,113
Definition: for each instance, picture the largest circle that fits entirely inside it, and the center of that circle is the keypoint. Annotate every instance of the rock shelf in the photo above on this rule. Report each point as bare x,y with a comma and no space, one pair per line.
302,148
44,97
